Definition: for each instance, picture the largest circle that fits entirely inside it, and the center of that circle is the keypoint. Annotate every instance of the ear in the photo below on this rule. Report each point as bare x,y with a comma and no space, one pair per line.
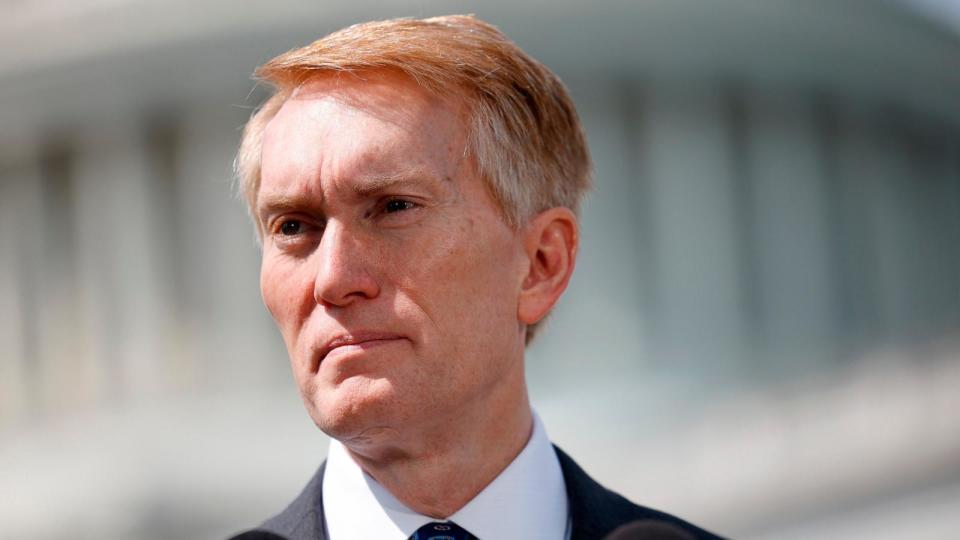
551,240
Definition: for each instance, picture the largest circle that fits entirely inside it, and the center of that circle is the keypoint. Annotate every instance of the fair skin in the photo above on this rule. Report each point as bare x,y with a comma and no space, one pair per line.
402,295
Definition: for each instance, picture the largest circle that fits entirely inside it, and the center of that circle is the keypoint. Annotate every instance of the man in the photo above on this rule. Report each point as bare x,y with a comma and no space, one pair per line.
415,184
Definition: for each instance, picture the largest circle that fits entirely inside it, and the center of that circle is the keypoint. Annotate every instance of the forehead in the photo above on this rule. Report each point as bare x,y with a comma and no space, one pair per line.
369,119
389,94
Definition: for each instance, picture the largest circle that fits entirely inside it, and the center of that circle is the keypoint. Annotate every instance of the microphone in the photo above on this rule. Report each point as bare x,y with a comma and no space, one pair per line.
649,529
257,534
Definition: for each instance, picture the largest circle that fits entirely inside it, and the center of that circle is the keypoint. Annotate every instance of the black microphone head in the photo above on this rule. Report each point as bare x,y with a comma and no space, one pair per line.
649,529
257,534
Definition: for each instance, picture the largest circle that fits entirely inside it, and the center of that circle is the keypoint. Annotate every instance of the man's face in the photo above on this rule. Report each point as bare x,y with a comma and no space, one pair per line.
386,264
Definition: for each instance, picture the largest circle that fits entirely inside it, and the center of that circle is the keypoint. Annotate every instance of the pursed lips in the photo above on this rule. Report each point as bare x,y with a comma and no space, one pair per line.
359,339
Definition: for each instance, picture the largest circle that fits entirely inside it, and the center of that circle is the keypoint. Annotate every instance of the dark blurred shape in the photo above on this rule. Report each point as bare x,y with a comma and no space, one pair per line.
257,534
649,530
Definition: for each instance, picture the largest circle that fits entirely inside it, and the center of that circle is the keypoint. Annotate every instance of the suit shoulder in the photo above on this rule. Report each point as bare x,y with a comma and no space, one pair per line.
596,511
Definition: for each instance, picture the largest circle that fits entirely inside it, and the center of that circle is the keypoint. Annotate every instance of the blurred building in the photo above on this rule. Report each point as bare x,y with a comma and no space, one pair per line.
763,334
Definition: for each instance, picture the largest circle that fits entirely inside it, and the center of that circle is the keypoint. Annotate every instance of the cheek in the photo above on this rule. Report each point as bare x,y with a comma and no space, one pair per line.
462,277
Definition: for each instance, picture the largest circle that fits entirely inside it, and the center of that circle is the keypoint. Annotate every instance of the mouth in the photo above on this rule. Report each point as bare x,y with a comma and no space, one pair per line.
344,343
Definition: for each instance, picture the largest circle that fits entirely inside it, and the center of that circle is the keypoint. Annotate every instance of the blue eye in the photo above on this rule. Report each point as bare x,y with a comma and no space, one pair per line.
290,227
397,205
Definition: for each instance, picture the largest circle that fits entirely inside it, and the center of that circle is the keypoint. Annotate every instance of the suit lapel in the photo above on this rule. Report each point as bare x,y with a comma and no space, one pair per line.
595,511
586,498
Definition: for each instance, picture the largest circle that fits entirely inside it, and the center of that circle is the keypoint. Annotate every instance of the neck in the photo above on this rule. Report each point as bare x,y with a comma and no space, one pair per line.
441,469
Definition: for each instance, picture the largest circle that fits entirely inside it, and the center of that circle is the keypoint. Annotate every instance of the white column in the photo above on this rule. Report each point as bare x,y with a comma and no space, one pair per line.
862,173
689,163
116,257
19,212
791,231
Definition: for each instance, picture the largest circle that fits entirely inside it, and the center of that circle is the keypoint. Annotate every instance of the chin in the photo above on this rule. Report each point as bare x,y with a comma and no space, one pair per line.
354,408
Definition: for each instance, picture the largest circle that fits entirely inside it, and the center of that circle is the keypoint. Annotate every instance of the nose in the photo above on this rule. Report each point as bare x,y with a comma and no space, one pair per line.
343,267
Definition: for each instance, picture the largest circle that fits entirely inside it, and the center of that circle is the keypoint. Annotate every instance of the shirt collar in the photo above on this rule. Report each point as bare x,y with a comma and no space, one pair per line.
528,496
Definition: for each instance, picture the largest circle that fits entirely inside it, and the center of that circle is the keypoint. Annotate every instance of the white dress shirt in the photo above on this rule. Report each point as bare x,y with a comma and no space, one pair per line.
527,500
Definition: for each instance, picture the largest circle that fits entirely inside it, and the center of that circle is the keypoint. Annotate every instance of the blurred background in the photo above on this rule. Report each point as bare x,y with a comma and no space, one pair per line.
763,334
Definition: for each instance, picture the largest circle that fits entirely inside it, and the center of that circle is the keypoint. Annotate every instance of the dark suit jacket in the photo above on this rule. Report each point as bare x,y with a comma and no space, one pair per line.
594,512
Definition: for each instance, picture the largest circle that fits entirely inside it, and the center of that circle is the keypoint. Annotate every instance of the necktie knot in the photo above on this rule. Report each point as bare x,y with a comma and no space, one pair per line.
442,531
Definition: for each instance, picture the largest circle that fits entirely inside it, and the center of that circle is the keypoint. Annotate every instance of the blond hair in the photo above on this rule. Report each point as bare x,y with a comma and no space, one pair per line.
524,134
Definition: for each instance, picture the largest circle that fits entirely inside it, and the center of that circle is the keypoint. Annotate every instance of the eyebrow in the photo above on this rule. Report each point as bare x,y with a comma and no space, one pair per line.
372,185
280,204
367,187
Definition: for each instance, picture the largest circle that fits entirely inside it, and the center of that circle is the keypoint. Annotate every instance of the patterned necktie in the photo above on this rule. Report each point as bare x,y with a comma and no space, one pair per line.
442,531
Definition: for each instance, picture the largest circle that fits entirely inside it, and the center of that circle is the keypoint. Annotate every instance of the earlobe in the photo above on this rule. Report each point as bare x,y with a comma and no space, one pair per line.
551,241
